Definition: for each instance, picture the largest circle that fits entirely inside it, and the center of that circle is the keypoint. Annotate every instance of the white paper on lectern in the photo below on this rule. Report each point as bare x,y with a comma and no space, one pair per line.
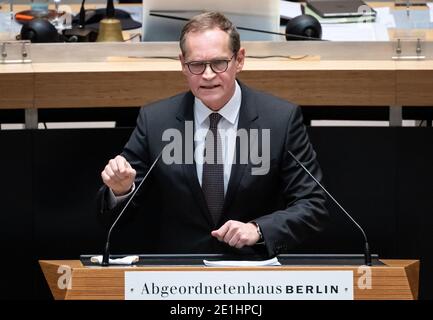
242,263
124,260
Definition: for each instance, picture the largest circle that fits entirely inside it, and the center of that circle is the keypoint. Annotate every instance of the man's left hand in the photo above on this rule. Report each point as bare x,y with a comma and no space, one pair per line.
237,234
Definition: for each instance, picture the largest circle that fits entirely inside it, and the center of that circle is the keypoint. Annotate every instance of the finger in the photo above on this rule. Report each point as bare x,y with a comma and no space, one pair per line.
234,228
105,177
220,233
234,240
127,164
114,169
111,175
239,245
121,165
243,240
118,167
113,165
107,180
124,166
216,234
119,158
128,171
132,172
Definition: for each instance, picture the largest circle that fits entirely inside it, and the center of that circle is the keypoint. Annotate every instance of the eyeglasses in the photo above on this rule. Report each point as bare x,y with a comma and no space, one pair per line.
217,66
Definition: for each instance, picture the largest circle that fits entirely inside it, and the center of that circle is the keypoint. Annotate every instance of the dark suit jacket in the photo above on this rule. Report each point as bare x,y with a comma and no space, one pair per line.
286,202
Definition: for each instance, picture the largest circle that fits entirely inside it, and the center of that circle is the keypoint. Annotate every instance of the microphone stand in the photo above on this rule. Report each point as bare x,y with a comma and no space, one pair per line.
106,255
367,254
80,33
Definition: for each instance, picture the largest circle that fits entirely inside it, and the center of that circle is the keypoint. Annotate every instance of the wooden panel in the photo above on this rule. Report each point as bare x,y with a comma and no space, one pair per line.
114,89
16,86
414,87
105,89
326,87
139,81
50,270
388,282
316,83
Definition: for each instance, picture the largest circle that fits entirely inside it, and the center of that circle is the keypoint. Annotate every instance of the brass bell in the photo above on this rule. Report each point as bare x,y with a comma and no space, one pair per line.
110,30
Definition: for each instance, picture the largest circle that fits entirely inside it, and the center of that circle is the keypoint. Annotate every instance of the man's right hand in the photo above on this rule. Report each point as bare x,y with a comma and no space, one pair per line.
118,175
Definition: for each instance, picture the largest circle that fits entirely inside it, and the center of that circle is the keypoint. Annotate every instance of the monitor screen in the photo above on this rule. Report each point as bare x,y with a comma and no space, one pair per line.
259,14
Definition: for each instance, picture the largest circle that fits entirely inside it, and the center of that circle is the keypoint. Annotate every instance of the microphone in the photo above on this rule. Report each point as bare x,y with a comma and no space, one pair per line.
303,27
110,9
80,33
106,255
367,254
82,20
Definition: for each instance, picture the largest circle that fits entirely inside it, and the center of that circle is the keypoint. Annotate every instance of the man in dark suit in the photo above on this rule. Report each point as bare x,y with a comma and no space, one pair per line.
217,192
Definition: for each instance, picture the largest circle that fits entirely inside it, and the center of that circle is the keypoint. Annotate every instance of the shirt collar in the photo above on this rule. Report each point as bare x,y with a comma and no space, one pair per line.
229,112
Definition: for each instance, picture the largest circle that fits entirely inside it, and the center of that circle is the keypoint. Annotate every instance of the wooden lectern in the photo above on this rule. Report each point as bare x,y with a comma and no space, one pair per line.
395,279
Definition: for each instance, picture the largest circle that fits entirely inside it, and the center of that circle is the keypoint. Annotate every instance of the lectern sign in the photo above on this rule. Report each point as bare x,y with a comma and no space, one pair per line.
239,285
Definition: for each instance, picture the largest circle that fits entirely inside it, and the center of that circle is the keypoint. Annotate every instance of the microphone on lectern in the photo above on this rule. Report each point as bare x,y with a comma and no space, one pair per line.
106,255
367,254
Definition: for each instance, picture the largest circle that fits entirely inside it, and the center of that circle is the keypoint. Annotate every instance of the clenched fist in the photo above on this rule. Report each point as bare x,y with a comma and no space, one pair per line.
237,234
118,175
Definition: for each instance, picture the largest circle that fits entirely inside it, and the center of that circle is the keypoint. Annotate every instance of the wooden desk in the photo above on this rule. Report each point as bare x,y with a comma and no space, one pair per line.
135,82
16,86
397,279
364,83
414,83
310,83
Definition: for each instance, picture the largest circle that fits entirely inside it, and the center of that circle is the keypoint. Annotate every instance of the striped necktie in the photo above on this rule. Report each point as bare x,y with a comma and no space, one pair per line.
213,170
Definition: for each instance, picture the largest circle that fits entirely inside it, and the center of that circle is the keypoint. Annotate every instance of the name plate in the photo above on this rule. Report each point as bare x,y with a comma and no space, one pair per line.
239,285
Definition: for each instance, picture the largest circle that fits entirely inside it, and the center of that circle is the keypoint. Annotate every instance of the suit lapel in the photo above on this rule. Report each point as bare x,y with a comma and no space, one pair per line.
247,117
189,169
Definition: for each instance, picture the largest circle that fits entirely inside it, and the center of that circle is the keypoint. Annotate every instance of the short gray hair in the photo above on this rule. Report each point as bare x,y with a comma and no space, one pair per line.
208,21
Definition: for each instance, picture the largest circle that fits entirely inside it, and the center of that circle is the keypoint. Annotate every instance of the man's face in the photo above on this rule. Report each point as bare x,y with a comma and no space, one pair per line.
213,89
